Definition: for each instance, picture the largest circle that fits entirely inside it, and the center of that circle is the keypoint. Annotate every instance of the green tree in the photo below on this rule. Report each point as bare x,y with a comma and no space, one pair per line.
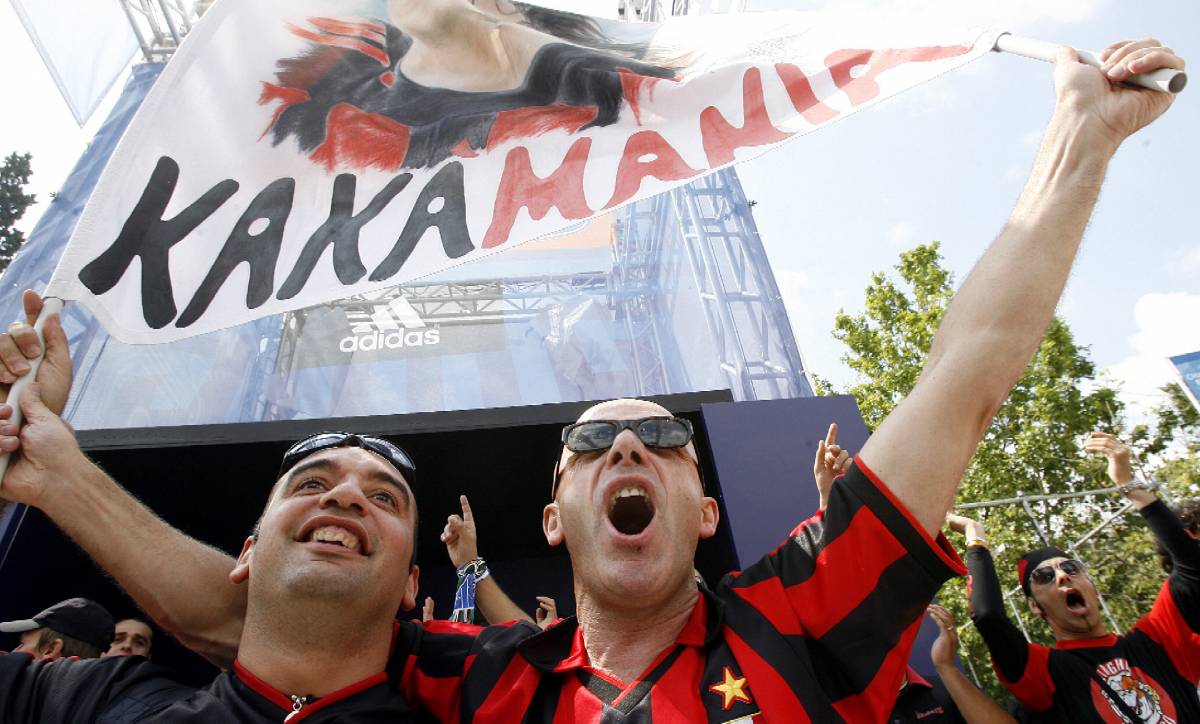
1031,448
14,175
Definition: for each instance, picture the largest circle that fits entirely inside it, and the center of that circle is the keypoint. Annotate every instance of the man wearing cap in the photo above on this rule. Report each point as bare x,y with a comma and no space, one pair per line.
1090,674
76,627
819,628
328,565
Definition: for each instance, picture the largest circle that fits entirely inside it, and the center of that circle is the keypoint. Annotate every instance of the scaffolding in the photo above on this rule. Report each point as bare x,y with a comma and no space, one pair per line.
161,25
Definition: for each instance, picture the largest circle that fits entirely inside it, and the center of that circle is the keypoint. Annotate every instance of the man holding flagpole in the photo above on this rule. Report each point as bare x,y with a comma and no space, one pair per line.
819,628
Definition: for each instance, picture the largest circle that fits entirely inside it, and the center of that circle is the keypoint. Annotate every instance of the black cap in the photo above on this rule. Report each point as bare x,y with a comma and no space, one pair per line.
1032,560
79,618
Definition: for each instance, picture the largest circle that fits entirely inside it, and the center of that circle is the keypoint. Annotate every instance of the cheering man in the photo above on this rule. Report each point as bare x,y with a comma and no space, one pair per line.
1091,674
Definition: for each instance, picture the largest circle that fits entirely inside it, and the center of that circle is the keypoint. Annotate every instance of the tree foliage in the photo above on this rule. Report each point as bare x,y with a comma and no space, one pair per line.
14,175
1031,448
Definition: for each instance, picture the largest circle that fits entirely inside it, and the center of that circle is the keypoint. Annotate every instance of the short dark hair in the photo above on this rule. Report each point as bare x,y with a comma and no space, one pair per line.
1189,514
145,622
70,646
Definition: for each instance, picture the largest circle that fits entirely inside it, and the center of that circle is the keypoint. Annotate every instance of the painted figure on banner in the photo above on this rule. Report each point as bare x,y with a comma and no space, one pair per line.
452,78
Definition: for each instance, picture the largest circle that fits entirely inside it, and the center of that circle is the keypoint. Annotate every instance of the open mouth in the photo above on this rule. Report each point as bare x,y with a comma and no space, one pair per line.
1076,602
328,532
630,510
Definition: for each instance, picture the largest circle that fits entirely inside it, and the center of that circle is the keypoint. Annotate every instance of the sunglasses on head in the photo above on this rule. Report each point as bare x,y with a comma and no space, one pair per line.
599,435
326,440
1045,574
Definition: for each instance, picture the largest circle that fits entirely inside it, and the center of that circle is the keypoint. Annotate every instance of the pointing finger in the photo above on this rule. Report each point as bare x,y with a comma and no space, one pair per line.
831,436
466,508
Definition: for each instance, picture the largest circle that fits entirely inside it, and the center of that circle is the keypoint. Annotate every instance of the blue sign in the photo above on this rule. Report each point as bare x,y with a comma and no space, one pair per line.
1189,369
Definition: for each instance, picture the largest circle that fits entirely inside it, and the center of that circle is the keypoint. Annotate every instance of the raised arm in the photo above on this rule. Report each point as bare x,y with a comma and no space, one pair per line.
830,461
144,554
973,705
999,315
461,544
1164,524
1005,642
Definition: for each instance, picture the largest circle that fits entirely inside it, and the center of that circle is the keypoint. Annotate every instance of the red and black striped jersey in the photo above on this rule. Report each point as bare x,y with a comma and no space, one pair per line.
1151,671
817,630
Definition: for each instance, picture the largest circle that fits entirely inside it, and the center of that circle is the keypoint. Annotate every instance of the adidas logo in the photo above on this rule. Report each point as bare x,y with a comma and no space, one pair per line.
388,326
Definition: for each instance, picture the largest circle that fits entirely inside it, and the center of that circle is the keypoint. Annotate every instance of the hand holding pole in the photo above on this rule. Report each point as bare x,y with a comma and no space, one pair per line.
50,307
1168,80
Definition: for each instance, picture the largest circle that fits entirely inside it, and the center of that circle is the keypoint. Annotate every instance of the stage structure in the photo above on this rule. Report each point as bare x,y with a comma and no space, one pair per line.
672,294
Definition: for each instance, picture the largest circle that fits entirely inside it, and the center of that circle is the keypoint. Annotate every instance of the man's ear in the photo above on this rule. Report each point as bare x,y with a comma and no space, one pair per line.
411,586
241,569
552,524
53,651
710,515
1034,608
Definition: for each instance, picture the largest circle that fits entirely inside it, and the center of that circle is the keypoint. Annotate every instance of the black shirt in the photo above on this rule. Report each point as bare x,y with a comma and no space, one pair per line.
924,700
127,689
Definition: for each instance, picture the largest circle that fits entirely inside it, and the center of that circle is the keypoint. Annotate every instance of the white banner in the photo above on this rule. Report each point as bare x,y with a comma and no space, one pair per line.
85,45
296,152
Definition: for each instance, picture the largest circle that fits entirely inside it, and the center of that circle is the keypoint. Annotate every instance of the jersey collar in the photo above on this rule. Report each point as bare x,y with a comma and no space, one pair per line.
1109,639
561,647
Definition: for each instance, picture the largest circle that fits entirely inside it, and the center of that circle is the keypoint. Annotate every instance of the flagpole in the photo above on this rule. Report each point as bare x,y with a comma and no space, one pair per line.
1168,80
51,305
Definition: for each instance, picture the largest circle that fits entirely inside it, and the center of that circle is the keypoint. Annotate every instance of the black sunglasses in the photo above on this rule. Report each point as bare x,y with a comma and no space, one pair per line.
1045,574
326,440
598,435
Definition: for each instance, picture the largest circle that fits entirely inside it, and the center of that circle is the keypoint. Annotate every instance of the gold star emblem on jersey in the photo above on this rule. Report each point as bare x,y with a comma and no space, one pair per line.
731,688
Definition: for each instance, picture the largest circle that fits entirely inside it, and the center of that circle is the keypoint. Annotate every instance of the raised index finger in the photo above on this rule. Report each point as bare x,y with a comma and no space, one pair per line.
466,506
831,436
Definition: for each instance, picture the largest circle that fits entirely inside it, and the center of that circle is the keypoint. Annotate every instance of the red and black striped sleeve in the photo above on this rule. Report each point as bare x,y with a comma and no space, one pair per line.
460,673
1174,619
848,588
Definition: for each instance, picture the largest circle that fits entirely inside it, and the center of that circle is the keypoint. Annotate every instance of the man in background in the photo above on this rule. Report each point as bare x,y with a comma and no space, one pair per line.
131,637
76,627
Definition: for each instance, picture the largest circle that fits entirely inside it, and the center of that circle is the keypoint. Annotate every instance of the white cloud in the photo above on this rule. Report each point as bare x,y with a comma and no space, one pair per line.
1185,261
901,233
1166,326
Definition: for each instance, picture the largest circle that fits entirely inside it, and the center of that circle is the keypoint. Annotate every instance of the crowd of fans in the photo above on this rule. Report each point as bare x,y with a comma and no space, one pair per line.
303,622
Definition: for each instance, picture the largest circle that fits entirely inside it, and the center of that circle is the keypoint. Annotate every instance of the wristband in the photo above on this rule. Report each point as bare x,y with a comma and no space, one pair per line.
476,565
1133,485
977,542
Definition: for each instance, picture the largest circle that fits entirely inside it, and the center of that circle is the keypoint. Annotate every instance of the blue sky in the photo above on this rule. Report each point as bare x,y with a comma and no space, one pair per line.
944,161
947,160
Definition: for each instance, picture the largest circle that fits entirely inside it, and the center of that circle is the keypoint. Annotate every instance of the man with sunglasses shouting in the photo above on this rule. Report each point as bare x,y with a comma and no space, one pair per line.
1091,674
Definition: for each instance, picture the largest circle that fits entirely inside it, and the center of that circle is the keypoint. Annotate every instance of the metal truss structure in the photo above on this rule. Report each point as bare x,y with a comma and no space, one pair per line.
741,303
161,25
487,301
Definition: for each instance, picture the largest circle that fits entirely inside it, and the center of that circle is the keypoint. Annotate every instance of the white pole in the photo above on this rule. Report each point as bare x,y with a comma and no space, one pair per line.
50,306
1164,79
